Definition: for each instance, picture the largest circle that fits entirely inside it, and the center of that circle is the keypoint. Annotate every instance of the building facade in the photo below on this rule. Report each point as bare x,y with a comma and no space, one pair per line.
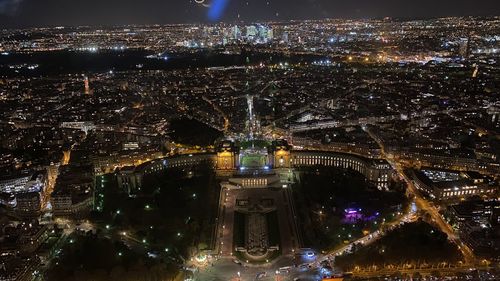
130,178
449,184
377,171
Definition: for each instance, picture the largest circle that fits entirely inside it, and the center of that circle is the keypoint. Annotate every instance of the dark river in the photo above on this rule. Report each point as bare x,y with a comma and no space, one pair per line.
62,62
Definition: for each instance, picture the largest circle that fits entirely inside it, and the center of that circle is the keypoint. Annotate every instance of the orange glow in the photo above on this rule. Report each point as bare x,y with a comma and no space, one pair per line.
225,154
281,152
66,156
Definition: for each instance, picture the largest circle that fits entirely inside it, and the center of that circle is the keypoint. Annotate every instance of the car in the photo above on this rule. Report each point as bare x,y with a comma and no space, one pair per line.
153,254
284,271
237,262
261,275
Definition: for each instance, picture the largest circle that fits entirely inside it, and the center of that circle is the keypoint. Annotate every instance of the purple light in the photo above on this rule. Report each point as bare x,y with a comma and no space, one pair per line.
351,211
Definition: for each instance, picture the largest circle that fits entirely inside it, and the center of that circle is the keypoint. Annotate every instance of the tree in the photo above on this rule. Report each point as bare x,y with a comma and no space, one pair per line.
436,273
117,273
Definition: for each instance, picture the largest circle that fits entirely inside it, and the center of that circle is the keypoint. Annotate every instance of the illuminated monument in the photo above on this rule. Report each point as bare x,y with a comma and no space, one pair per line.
279,154
256,220
86,85
253,123
227,156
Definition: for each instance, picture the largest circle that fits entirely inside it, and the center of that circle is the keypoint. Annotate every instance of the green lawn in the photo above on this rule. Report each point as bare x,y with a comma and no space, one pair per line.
253,161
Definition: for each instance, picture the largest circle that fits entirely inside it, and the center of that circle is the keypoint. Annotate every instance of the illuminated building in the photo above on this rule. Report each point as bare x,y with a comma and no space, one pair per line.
476,222
263,32
28,204
448,184
251,31
65,204
453,159
86,85
350,147
478,211
25,182
251,180
130,178
280,154
8,199
270,34
235,32
26,187
82,126
464,47
285,37
494,112
73,194
126,157
375,170
227,156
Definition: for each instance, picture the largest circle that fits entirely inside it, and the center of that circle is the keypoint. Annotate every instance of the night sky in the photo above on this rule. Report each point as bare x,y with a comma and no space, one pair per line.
21,13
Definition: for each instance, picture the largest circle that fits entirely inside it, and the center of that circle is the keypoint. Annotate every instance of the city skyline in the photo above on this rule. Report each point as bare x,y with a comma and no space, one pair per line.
29,13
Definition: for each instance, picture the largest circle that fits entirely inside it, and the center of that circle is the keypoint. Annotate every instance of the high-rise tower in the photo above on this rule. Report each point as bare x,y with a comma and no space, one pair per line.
87,85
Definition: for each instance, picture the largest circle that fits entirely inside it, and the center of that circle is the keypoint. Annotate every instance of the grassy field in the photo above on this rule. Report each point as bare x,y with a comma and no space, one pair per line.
253,161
